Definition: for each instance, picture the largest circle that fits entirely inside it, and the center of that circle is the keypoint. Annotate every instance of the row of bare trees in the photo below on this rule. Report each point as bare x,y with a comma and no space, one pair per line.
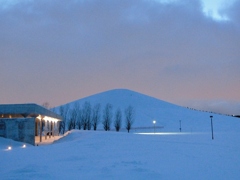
107,118
87,117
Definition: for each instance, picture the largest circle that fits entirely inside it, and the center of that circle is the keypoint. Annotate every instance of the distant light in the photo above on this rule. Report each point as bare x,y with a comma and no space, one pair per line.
154,122
9,147
24,145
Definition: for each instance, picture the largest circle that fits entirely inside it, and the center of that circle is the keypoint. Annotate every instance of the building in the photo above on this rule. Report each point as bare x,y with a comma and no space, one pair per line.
28,123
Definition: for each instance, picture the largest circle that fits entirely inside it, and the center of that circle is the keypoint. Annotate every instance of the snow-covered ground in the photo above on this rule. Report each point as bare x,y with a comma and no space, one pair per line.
140,154
112,155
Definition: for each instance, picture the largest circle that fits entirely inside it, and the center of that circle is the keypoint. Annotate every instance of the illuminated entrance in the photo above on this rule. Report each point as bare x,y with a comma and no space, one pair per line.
28,123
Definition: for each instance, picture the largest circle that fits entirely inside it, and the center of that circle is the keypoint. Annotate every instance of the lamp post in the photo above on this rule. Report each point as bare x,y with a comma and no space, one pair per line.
154,122
212,126
180,128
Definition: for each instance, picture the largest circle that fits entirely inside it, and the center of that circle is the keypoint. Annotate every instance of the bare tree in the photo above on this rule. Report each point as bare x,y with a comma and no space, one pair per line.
129,115
96,116
107,117
46,105
79,119
118,119
62,123
86,116
78,116
63,111
72,118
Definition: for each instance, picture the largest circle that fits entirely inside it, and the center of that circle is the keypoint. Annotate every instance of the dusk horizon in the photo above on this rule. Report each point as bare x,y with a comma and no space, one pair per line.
183,52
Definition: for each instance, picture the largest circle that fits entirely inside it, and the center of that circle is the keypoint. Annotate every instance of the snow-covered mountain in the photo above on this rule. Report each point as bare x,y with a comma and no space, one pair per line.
148,108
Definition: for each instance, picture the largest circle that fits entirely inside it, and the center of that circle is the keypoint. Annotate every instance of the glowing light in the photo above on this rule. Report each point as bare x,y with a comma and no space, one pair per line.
9,147
24,145
39,117
154,122
47,118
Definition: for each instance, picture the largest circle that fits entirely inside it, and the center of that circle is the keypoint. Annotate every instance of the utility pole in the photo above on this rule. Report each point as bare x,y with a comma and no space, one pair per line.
212,126
180,126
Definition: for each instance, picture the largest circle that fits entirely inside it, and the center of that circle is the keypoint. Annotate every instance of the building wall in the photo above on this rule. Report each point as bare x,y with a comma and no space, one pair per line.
18,129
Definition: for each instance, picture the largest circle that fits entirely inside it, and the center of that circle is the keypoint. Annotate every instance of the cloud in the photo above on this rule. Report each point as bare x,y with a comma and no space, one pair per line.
168,50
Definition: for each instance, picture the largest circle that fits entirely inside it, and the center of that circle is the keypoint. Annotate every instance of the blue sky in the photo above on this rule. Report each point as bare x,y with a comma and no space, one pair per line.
60,51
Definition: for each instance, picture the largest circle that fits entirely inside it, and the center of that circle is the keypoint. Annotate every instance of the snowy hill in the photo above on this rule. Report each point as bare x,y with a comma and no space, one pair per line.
167,115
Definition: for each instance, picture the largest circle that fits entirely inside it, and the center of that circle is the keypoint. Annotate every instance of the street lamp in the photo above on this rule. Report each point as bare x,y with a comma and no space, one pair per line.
212,126
154,122
180,128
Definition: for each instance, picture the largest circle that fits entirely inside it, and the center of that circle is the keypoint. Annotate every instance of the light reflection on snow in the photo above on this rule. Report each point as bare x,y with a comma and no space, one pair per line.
164,133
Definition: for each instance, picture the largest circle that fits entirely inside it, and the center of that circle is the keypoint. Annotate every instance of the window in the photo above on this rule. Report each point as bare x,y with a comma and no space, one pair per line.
2,126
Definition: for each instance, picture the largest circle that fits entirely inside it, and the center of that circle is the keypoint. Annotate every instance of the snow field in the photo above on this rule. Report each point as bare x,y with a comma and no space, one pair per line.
112,155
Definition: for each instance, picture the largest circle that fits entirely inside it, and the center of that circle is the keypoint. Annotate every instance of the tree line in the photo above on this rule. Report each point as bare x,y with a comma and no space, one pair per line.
89,117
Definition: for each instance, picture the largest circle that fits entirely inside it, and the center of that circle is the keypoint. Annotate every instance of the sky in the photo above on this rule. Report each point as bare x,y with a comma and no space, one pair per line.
184,52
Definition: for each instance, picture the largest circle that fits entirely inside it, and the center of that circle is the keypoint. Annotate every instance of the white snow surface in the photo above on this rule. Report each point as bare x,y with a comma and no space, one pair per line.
112,155
167,154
